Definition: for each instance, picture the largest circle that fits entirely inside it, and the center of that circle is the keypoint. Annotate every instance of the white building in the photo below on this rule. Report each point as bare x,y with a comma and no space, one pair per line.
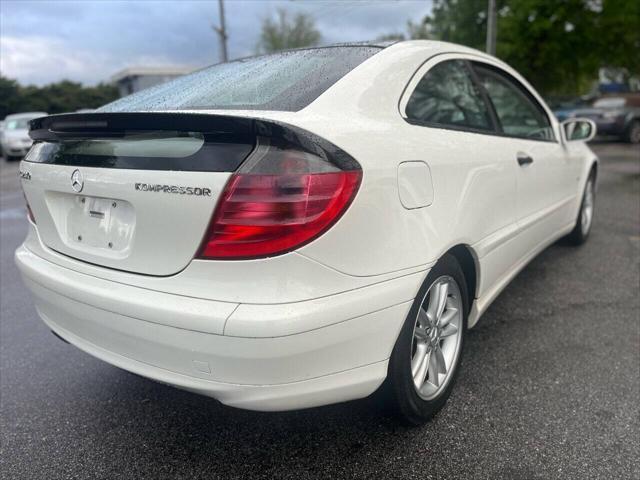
131,80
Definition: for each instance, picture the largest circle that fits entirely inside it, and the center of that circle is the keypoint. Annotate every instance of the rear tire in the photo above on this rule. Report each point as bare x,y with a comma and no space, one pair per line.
581,231
633,132
425,359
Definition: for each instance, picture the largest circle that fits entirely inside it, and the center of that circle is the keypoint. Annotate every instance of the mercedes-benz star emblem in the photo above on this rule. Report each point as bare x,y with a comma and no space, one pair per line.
77,182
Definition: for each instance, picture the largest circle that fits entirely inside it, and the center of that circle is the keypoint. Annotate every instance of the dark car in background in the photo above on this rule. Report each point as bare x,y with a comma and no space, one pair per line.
617,115
565,108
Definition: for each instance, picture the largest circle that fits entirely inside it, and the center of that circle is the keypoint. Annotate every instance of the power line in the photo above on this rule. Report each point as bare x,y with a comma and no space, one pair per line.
222,31
491,27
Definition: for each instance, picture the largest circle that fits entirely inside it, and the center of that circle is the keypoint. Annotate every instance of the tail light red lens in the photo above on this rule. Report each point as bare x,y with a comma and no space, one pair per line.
278,201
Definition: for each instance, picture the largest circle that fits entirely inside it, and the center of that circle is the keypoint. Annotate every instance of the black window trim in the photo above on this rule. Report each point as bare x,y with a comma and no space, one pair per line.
444,126
521,88
493,114
463,128
496,129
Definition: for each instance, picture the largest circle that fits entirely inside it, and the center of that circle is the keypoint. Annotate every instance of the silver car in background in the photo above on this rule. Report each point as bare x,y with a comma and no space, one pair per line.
15,140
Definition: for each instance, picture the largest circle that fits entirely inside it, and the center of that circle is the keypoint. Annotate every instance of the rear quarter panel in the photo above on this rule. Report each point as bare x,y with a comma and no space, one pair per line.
473,188
473,197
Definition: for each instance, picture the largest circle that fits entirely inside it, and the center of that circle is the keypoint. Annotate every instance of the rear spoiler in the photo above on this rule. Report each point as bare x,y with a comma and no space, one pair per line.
215,128
87,125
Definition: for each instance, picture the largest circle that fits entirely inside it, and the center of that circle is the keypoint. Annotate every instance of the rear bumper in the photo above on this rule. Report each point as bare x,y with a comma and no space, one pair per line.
199,345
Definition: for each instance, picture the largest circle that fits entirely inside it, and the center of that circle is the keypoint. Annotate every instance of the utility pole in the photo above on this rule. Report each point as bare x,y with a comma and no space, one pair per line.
492,29
222,32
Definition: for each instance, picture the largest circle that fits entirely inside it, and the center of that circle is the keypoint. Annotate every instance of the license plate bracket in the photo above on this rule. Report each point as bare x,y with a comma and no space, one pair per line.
100,224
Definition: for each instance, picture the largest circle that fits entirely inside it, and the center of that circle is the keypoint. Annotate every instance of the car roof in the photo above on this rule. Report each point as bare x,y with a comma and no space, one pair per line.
386,76
372,43
435,45
438,46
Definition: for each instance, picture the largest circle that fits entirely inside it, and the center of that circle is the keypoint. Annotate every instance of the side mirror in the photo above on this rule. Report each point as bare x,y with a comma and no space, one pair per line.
578,129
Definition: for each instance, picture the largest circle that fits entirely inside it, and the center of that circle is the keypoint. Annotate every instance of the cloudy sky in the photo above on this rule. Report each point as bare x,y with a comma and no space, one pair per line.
89,40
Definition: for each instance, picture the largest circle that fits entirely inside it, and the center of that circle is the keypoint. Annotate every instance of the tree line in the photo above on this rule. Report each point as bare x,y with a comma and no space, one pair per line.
558,45
59,97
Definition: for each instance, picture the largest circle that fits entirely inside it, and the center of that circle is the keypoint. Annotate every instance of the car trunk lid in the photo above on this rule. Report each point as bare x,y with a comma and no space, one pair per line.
133,192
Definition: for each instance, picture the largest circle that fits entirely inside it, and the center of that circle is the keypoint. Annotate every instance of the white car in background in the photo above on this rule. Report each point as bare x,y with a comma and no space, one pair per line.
301,228
15,140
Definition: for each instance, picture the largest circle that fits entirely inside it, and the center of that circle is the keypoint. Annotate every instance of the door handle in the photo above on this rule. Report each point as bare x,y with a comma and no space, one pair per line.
524,159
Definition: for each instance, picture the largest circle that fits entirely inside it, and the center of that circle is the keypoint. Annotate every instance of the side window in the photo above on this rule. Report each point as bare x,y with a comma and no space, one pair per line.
447,96
519,113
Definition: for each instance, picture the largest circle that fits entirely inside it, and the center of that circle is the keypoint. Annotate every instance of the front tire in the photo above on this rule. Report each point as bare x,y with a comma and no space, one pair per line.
426,357
581,231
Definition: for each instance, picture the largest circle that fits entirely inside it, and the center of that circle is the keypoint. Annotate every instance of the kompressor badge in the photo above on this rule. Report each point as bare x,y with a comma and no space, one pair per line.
179,190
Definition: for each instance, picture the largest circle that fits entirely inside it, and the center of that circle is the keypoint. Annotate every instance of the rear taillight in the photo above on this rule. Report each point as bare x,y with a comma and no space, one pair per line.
280,199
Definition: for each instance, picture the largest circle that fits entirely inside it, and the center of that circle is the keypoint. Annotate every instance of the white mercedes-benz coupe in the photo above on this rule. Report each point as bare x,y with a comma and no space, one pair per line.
302,228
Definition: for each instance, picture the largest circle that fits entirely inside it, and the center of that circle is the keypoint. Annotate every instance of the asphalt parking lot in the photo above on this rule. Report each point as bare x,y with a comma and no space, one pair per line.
550,384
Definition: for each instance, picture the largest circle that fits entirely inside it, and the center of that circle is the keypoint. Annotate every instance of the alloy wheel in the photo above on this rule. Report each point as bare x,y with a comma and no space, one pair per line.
437,335
586,216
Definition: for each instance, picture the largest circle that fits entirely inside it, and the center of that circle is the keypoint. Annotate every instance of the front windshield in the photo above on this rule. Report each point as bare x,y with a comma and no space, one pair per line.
18,124
286,81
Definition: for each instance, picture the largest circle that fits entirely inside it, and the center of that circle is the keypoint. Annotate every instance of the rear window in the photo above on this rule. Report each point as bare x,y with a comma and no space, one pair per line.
282,81
18,124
